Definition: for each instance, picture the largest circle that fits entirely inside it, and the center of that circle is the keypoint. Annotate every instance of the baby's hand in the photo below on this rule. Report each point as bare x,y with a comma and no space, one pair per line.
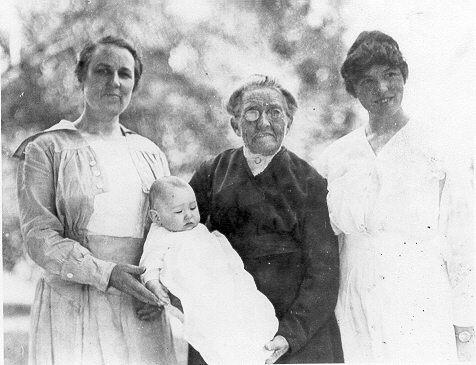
160,292
218,234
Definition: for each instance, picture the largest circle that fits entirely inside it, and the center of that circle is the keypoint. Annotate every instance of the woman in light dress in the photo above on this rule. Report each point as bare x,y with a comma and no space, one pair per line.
82,189
404,219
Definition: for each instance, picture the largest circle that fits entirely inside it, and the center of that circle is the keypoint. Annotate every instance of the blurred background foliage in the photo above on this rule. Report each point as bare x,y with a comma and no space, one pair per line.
194,52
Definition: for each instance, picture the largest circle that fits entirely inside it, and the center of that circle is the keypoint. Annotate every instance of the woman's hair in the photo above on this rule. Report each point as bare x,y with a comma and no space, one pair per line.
257,82
369,49
88,50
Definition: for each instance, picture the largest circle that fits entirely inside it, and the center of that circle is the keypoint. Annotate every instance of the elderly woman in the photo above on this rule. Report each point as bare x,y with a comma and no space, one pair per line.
405,223
271,206
82,189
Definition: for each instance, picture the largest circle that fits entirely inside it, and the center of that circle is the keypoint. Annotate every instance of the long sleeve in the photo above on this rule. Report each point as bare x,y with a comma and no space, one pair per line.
322,167
43,231
317,297
200,184
278,222
457,228
152,258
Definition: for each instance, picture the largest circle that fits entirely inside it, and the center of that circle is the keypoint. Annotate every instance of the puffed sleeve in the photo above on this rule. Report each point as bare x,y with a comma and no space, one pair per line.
42,230
317,297
457,228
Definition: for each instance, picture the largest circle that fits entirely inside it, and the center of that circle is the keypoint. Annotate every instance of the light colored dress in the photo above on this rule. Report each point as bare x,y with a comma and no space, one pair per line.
66,191
119,211
405,222
225,317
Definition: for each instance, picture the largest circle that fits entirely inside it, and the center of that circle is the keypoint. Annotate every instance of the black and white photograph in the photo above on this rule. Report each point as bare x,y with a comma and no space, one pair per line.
240,182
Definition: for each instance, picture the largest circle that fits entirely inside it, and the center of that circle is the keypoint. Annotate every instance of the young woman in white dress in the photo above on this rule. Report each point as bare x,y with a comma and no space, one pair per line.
405,224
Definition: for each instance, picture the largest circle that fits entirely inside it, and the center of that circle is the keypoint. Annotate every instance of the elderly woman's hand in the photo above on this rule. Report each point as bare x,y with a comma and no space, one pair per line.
279,345
124,278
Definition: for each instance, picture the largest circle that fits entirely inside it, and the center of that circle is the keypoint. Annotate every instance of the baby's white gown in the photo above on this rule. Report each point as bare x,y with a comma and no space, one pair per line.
226,318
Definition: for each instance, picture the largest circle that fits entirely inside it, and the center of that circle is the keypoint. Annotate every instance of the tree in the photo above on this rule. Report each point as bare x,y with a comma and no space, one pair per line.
192,59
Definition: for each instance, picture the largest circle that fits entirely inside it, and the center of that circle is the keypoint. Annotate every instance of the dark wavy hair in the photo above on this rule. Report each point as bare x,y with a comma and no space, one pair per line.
260,81
88,50
369,49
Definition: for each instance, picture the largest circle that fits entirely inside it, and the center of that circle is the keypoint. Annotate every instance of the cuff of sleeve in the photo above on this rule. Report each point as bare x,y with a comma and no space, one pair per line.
150,275
103,274
88,270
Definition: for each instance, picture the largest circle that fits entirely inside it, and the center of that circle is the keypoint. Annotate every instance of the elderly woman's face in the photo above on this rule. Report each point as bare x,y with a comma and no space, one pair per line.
109,80
263,121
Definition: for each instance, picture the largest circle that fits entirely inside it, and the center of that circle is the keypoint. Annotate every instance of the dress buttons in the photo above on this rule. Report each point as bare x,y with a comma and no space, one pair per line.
99,185
96,172
92,163
69,275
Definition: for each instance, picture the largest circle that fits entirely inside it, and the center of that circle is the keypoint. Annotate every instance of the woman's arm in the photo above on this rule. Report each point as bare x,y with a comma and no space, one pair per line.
43,231
317,297
200,184
152,260
457,227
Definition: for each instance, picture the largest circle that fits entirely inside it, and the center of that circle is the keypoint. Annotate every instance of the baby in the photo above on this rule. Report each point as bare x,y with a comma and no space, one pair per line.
225,317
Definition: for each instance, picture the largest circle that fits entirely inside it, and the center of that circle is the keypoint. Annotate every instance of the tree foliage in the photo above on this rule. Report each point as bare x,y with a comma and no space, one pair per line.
194,52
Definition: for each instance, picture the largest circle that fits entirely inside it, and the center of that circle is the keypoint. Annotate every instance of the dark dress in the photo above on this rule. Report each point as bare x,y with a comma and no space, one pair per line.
278,222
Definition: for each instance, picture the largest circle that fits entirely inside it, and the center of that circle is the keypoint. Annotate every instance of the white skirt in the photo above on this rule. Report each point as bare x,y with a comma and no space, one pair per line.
394,300
77,324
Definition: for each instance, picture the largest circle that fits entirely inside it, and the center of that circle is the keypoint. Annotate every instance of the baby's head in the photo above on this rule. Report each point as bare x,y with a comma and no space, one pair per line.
173,204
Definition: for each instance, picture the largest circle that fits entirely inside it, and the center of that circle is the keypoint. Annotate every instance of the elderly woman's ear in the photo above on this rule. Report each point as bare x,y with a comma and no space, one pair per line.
235,124
290,121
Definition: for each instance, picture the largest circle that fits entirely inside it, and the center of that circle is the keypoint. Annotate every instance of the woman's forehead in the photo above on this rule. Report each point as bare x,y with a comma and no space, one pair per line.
262,95
378,69
113,55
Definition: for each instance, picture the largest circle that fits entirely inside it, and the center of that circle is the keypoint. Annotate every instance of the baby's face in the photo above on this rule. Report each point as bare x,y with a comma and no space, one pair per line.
180,211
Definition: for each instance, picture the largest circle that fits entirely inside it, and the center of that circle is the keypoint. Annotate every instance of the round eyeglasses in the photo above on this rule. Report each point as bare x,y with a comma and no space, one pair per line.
253,115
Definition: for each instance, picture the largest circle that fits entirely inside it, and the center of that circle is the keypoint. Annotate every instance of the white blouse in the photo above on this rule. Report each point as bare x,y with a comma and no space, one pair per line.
119,211
408,189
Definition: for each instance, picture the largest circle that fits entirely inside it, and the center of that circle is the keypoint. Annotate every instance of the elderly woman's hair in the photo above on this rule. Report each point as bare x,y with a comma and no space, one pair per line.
88,50
163,187
369,49
257,82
